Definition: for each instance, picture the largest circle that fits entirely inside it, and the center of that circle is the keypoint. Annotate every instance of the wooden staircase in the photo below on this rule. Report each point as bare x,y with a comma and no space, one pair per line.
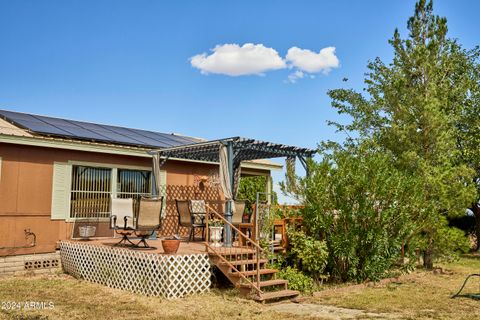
245,264
240,267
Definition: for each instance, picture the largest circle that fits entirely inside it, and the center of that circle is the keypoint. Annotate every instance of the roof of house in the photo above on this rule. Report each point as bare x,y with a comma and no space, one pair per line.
37,125
30,129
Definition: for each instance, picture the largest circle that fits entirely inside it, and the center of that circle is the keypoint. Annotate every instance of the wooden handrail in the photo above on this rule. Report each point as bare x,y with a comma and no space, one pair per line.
225,221
258,248
255,286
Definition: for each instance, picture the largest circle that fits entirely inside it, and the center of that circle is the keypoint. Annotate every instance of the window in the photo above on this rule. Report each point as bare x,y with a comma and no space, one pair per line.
90,192
133,184
92,189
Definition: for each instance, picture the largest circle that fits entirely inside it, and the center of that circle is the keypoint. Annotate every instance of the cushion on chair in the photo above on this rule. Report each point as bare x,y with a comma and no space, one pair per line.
122,208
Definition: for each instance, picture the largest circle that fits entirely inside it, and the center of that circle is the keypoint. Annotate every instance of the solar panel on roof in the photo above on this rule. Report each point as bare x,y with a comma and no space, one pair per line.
96,132
42,127
164,139
73,129
137,134
19,116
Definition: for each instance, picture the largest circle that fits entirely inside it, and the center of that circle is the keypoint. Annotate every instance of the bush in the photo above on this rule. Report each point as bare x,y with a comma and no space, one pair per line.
297,280
449,242
308,254
363,207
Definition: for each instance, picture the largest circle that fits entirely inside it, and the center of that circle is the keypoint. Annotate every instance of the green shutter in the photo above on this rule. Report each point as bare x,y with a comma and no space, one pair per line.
62,175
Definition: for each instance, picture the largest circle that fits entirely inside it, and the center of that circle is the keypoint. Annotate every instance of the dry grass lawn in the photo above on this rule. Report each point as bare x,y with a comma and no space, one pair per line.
420,295
74,299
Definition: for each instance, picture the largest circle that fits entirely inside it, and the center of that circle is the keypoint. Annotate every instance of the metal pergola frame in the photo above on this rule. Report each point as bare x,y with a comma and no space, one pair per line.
238,149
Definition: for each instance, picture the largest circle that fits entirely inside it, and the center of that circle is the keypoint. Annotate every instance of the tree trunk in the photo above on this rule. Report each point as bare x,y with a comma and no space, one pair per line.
476,212
428,256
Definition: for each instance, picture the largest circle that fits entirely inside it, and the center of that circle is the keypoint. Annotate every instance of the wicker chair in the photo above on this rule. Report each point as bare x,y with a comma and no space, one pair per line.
121,220
187,219
149,220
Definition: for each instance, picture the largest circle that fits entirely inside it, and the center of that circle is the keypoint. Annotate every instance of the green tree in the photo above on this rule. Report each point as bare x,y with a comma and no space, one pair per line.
363,207
413,110
250,185
468,136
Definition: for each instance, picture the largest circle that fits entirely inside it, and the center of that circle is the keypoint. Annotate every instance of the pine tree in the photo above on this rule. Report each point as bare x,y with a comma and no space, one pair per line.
414,109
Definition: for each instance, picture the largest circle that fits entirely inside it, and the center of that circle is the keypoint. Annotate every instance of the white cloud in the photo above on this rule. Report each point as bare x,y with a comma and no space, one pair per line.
312,62
233,60
294,76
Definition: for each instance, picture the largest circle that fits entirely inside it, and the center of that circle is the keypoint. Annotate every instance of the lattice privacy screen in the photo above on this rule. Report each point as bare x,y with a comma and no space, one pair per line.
211,195
169,276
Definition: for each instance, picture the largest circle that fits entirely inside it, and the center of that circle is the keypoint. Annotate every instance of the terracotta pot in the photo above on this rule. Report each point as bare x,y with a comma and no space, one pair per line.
170,246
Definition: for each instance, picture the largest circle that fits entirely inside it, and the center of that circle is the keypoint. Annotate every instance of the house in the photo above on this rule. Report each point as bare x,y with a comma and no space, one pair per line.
56,171
57,175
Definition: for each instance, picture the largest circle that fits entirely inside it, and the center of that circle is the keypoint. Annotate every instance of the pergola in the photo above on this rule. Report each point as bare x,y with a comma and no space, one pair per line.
230,153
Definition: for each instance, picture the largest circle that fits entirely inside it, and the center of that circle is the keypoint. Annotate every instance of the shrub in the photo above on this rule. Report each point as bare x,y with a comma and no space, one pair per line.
449,242
297,280
363,207
309,255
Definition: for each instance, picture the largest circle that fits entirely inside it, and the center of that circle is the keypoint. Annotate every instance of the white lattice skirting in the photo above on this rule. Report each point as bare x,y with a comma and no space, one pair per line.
169,276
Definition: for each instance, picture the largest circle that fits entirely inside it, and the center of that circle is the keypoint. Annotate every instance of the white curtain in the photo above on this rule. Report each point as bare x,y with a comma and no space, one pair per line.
225,176
159,178
156,174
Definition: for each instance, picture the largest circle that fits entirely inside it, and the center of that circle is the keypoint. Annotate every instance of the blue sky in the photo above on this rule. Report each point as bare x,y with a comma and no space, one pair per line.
128,62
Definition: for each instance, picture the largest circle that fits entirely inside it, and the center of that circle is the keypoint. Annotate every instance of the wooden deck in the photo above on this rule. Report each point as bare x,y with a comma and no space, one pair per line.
148,272
186,248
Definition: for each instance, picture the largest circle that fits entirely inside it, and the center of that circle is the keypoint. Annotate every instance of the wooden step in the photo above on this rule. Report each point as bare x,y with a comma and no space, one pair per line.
254,272
244,262
276,295
267,283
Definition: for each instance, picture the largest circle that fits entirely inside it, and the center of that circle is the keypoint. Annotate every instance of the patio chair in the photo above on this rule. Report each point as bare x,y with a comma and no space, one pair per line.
121,220
237,217
248,227
187,219
149,220
198,209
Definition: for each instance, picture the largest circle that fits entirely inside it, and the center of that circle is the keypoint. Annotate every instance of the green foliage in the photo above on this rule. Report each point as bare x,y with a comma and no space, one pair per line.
364,208
449,242
310,255
248,188
297,280
286,211
422,109
414,105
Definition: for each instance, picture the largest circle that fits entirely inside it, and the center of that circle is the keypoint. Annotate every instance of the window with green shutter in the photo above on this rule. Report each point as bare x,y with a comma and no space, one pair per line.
85,191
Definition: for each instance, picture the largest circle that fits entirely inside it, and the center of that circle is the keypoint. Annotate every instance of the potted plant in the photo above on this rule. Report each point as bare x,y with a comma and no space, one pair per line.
170,245
215,230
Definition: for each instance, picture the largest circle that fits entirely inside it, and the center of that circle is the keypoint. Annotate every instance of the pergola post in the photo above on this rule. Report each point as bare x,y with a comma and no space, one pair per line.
229,205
